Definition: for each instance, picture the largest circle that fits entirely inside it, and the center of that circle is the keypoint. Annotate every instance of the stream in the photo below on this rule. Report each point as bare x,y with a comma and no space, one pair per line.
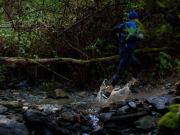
30,111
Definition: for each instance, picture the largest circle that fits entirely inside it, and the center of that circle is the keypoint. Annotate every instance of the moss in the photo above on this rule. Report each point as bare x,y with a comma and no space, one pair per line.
172,118
164,28
175,108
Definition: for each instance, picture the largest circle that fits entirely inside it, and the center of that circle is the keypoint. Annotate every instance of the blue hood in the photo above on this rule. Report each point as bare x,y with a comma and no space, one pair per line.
132,15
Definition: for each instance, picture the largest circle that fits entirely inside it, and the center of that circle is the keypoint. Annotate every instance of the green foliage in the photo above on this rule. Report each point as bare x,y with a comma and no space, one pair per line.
177,65
33,28
165,4
94,45
165,62
172,118
163,30
2,74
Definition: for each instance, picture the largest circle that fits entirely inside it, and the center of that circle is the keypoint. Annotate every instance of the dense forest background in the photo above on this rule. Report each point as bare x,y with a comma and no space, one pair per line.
81,30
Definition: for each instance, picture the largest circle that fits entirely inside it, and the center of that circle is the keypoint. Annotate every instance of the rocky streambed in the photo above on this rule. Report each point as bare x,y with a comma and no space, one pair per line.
27,112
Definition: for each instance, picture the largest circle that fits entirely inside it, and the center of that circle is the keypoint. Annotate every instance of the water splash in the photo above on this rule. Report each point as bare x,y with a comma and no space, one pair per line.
95,123
94,120
117,94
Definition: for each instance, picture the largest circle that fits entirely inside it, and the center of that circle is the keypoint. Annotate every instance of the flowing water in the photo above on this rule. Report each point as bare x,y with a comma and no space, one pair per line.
78,100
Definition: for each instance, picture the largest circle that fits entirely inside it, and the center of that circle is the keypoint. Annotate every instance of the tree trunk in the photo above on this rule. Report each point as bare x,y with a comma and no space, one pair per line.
13,61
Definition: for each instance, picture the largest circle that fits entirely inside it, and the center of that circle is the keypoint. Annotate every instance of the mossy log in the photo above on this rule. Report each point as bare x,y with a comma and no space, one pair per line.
14,61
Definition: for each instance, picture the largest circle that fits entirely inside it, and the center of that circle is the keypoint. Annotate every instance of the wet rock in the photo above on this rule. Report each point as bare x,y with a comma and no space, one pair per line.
47,132
18,117
22,84
105,109
34,117
49,108
99,132
11,104
153,113
126,131
95,93
86,129
68,116
177,99
115,131
145,123
105,116
168,85
118,104
56,125
177,85
160,102
3,109
82,94
124,109
95,122
132,105
58,93
12,127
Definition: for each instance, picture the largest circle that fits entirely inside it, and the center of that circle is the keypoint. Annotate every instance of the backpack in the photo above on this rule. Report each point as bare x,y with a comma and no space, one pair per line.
125,31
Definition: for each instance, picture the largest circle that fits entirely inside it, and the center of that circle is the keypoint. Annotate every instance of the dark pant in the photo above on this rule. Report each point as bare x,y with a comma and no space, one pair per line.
126,56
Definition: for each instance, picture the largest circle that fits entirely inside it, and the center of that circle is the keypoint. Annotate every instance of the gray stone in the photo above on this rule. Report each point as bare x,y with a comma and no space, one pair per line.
124,109
68,116
177,99
132,104
82,94
11,104
3,109
34,117
145,123
58,93
105,116
168,85
160,102
50,108
12,127
177,85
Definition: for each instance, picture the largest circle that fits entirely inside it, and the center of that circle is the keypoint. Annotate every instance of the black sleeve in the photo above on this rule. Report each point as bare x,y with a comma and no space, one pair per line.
117,30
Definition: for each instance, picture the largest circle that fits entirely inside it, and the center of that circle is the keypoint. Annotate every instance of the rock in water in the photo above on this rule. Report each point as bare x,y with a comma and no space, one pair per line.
177,84
3,109
124,109
145,123
132,104
12,127
34,117
160,102
58,93
105,116
68,116
49,108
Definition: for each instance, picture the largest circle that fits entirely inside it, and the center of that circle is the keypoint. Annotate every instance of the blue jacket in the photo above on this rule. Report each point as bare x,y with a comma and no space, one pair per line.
125,34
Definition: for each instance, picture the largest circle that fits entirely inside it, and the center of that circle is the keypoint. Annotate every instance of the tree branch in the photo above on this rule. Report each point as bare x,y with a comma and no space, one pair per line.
13,61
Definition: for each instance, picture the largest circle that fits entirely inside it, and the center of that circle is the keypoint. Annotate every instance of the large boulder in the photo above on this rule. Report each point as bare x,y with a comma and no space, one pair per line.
177,85
10,126
145,123
34,117
160,102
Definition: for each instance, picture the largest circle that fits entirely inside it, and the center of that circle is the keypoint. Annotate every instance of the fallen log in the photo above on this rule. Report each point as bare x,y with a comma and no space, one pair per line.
13,61
127,116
